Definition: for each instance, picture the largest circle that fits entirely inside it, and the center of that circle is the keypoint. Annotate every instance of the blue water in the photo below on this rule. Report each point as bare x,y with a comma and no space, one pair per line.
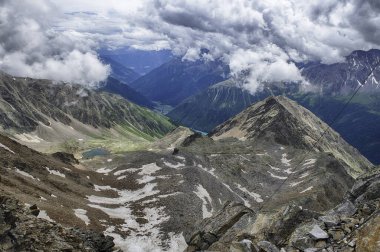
95,152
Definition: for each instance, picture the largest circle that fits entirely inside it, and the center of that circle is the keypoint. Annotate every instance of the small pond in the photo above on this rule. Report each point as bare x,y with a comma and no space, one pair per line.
95,152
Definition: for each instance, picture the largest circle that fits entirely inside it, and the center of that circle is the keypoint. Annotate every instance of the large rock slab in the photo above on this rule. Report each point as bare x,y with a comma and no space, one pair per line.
212,229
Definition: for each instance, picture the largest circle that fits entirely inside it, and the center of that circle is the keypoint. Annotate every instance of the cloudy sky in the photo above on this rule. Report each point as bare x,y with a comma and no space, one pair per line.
58,39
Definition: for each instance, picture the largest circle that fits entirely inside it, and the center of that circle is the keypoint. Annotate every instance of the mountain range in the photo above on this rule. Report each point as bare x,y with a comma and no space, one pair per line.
272,164
98,170
331,87
178,79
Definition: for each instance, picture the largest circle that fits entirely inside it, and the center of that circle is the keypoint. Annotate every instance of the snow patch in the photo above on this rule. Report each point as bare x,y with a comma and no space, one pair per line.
125,196
25,174
43,215
289,171
284,160
310,162
81,214
274,168
99,188
105,170
174,166
304,175
307,189
293,184
256,196
131,170
6,148
149,169
28,138
202,193
145,179
181,158
275,176
54,172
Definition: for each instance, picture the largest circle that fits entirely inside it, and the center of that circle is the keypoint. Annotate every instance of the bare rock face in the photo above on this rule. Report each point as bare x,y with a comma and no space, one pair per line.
352,225
211,230
20,230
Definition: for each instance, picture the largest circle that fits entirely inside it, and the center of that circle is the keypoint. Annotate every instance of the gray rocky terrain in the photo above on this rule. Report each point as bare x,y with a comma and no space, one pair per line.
257,181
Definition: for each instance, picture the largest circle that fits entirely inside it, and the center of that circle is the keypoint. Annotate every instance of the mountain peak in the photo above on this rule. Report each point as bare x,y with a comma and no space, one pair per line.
252,122
280,120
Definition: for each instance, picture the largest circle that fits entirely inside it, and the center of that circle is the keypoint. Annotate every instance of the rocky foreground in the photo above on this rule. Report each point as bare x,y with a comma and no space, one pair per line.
21,230
353,225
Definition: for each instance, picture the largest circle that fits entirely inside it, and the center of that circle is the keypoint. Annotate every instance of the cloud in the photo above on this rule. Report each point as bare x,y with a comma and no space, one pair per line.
262,38
29,47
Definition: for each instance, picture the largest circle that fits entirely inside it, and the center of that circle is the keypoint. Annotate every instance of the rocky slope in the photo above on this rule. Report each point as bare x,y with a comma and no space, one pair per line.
176,80
163,195
153,200
35,189
353,225
286,122
36,111
21,230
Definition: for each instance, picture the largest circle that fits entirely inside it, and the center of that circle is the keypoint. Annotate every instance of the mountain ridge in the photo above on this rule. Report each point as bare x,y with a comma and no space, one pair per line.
34,110
281,124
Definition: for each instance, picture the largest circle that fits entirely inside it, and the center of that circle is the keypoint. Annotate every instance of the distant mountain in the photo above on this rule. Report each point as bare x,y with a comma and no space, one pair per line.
332,86
119,71
39,110
213,106
358,125
341,78
112,85
176,80
117,83
139,61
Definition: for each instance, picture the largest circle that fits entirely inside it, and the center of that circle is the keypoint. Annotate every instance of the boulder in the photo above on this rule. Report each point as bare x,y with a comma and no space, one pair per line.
243,246
346,208
266,246
318,233
329,220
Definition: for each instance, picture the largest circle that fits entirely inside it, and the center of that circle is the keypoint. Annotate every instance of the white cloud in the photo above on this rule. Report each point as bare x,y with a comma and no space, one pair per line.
262,37
29,47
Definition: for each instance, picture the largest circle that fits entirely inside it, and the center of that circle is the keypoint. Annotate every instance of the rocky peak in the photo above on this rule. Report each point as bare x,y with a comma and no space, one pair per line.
281,120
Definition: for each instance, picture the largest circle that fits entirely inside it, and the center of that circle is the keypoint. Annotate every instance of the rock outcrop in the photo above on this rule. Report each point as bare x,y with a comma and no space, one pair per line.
352,225
21,230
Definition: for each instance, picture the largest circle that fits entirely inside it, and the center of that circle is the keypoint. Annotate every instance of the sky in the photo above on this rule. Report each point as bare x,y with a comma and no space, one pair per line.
59,39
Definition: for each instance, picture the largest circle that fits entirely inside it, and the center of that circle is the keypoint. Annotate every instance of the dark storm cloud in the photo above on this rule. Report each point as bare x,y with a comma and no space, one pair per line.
367,19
